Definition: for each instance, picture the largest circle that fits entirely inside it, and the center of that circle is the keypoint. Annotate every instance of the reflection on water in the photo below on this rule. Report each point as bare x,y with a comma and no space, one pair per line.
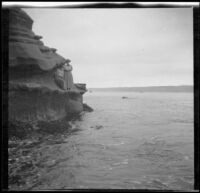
143,142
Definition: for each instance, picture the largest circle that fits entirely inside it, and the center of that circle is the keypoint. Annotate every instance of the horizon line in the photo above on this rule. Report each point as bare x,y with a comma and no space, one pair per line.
140,86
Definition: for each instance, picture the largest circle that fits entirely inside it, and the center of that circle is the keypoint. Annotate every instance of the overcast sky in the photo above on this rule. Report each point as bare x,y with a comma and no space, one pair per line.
121,47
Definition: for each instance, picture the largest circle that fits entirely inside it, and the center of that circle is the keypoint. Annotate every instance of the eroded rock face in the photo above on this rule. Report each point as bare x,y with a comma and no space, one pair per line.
26,48
33,94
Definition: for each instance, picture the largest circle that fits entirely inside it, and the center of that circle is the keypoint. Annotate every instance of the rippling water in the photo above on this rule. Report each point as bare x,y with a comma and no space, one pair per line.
142,142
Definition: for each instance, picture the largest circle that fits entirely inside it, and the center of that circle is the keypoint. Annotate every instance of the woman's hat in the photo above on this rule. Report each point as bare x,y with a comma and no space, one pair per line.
67,60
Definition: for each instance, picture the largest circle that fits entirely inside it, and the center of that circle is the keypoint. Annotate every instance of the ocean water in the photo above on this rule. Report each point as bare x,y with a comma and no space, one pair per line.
142,142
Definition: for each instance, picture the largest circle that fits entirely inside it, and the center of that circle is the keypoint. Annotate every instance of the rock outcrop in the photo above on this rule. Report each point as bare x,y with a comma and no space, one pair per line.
33,94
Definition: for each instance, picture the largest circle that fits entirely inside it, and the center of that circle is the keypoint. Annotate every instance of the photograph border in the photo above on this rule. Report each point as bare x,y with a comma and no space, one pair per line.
98,5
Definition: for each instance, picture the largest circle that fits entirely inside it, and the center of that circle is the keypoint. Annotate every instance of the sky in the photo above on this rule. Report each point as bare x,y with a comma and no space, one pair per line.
121,47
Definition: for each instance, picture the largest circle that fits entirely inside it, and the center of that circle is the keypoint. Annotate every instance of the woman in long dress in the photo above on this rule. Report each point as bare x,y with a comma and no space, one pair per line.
68,78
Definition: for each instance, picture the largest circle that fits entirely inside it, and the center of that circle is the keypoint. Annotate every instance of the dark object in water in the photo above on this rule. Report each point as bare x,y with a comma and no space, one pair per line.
124,97
97,127
87,108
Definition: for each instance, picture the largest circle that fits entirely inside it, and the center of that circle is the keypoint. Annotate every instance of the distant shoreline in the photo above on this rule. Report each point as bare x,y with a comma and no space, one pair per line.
184,88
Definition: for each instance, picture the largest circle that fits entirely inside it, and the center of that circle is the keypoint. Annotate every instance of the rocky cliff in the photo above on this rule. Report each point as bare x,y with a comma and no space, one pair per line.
33,94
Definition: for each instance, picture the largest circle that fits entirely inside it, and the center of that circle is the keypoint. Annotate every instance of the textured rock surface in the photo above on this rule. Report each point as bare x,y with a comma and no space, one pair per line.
26,48
33,94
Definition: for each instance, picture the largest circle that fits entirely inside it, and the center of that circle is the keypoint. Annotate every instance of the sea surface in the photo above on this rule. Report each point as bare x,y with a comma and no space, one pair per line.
144,141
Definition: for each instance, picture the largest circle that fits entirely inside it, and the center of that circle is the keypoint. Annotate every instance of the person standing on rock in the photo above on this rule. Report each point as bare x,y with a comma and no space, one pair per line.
64,78
68,78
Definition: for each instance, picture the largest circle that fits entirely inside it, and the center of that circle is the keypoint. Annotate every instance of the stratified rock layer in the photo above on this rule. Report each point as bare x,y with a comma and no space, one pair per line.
33,94
26,48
